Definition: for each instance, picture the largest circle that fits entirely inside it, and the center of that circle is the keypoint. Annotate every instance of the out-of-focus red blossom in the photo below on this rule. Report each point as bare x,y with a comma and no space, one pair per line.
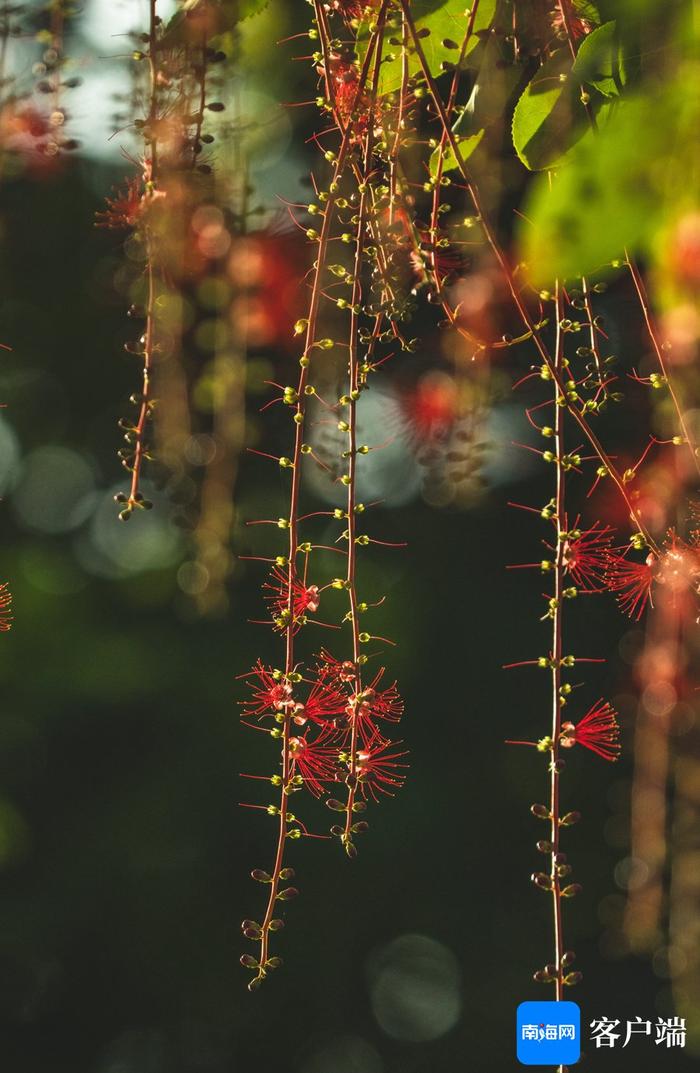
587,557
25,132
305,598
378,770
20,125
683,251
267,269
480,301
597,731
5,604
124,209
679,567
431,406
314,760
631,582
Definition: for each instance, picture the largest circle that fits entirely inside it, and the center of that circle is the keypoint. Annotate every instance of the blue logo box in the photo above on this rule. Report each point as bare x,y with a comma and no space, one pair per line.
549,1033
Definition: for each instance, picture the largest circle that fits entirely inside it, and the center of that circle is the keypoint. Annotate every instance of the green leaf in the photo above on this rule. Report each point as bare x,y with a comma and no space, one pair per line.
444,20
224,15
588,11
547,114
494,85
467,145
600,62
617,189
550,117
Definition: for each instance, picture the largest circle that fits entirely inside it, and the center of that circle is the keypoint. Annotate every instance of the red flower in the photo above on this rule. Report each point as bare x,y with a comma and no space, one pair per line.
343,670
370,704
304,598
123,210
315,761
325,702
679,566
587,558
597,731
632,582
271,692
5,602
379,771
383,703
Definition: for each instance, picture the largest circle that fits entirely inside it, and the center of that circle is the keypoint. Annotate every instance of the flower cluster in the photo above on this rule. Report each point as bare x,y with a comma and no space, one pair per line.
328,708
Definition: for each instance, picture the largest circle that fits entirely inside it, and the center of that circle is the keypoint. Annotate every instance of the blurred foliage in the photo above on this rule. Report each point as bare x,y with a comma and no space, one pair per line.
627,181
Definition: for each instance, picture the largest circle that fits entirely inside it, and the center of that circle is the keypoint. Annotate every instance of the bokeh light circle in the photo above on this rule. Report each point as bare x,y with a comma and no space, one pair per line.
53,491
415,989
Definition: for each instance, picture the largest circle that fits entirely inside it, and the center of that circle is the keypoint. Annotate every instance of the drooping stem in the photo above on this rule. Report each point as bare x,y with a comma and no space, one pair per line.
149,341
354,395
293,519
559,520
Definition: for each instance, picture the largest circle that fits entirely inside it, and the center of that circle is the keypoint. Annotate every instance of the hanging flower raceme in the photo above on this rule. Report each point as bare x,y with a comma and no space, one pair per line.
597,731
326,718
